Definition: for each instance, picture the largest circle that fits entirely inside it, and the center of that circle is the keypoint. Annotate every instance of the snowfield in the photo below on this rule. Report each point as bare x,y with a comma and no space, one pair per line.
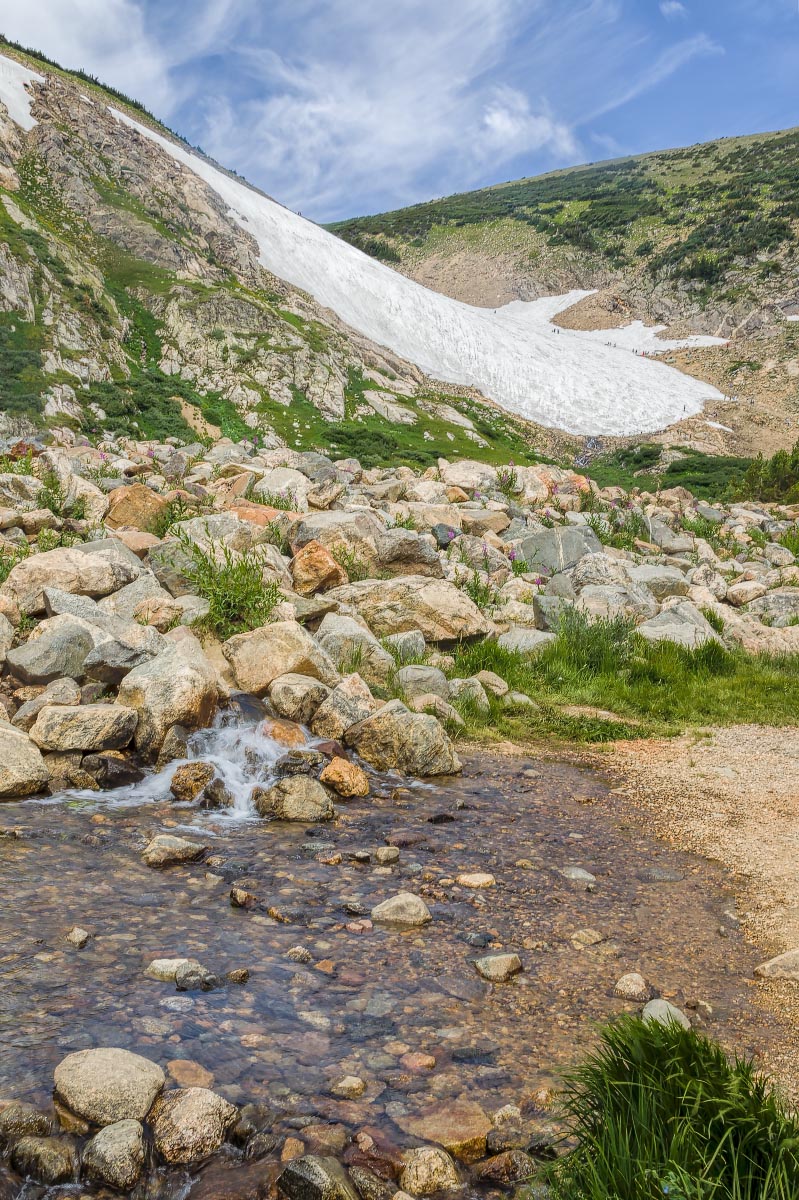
568,380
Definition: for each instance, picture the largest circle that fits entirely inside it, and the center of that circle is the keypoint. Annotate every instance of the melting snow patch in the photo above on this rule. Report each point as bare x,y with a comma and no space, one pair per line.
716,425
13,77
513,354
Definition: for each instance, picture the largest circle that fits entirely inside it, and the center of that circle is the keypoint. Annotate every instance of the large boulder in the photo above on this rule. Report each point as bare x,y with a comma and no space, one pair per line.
68,570
780,606
134,507
436,607
56,648
408,552
352,647
297,697
356,532
191,1123
178,687
560,548
295,798
419,680
115,1156
85,727
314,569
660,580
605,602
282,648
525,641
108,1085
682,623
467,474
349,702
119,644
396,739
23,771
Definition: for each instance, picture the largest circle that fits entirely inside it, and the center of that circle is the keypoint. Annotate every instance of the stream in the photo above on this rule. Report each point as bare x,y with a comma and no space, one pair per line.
369,1000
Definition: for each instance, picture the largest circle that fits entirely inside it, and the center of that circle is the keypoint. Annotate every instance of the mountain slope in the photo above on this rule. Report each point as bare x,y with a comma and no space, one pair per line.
165,267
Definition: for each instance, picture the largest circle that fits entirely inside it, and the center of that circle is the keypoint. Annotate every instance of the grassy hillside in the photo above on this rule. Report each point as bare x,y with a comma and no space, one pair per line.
700,215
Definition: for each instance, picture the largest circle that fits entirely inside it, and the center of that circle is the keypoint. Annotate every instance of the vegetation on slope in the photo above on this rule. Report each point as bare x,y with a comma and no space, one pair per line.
691,215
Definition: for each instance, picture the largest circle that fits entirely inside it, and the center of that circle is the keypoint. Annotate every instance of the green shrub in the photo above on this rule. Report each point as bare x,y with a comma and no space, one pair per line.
9,559
284,499
52,494
661,1111
233,585
350,560
480,590
714,619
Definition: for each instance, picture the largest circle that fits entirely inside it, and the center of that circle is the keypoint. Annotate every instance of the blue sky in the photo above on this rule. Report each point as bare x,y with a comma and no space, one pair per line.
343,107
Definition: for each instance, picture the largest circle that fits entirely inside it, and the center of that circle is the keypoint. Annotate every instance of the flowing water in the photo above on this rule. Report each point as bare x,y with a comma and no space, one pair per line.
368,996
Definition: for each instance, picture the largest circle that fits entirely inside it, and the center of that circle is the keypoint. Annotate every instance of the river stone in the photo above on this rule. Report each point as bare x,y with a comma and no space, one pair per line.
297,697
282,648
189,780
115,1155
396,739
403,909
69,570
85,727
165,969
784,966
437,608
513,1166
20,1119
460,1126
315,1177
429,1170
348,703
664,1013
47,1160
190,1123
497,968
164,849
108,1085
59,646
633,987
23,771
345,778
178,687
295,798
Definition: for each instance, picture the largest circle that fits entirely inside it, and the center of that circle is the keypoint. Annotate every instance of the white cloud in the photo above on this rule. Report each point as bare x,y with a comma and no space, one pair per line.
107,38
661,69
509,127
672,9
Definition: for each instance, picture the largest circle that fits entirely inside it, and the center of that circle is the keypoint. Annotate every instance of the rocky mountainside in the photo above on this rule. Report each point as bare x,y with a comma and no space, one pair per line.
131,303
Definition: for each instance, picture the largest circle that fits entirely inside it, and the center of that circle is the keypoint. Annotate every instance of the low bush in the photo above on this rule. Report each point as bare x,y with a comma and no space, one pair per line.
233,585
660,1111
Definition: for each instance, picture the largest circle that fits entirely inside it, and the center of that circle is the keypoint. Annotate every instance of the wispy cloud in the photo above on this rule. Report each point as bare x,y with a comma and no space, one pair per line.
659,70
673,9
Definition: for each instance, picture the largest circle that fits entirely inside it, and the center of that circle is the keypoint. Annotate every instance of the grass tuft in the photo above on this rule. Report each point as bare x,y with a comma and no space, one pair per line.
233,585
660,1111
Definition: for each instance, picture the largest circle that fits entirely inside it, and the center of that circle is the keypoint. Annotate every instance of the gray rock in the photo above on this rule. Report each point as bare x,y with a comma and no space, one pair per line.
548,611
525,641
349,702
498,968
405,647
68,570
419,680
191,1123
178,687
440,610
58,647
294,798
115,1156
560,548
780,607
606,602
297,697
784,966
354,648
48,1160
403,909
108,1085
312,1177
396,739
664,1013
661,581
469,693
60,691
682,623
23,771
85,727
163,850
408,552
282,648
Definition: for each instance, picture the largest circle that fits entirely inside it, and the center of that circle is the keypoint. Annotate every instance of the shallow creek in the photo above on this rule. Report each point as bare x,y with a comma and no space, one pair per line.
366,999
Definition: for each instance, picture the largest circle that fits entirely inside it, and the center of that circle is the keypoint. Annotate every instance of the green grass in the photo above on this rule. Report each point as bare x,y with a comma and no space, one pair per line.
661,688
233,585
660,1111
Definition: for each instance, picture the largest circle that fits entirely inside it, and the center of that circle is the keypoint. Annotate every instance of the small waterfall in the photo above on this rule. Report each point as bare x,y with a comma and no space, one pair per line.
235,744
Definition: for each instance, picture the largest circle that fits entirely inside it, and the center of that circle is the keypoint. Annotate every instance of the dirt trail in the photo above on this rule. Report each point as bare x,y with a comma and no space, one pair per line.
731,795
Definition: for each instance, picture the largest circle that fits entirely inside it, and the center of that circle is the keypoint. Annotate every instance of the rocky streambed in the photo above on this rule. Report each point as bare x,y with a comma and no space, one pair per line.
415,1056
